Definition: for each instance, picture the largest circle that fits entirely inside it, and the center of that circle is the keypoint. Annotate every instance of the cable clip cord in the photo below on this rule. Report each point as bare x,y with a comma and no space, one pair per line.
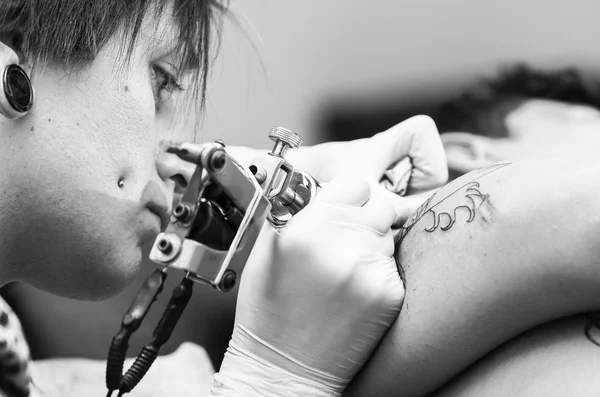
130,323
179,300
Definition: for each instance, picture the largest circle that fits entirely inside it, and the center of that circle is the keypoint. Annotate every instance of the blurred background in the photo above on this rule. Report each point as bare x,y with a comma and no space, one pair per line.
328,70
336,69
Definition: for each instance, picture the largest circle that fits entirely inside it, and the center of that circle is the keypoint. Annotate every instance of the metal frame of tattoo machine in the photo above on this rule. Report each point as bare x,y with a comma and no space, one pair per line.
210,236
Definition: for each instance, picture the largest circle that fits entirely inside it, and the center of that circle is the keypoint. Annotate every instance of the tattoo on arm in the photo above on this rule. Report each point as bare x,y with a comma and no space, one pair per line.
444,220
473,200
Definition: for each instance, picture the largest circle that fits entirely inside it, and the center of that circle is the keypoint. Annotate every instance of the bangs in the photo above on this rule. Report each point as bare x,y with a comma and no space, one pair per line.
70,33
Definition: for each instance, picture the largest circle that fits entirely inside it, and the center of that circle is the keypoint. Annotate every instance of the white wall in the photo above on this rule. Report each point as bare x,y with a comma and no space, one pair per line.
315,51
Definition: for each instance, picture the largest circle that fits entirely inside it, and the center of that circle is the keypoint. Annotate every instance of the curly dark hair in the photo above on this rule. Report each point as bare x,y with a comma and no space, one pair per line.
483,109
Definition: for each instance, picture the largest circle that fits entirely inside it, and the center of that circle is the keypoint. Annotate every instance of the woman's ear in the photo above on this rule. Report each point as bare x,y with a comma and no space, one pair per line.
11,40
8,56
467,152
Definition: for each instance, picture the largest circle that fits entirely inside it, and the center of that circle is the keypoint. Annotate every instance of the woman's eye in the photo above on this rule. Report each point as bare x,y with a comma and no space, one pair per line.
164,84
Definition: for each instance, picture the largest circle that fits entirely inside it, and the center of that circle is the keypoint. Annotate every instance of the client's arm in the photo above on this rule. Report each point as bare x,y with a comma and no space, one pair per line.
552,360
489,256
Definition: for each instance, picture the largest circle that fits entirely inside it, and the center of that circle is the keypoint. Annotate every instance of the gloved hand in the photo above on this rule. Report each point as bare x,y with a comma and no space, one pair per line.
315,299
416,138
369,158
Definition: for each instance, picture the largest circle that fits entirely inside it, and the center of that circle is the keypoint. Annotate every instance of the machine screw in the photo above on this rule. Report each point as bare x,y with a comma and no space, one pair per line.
181,212
217,160
165,246
228,281
284,139
259,173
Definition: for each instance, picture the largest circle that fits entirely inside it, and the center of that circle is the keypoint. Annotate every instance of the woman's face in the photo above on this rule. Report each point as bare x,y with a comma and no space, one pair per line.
83,184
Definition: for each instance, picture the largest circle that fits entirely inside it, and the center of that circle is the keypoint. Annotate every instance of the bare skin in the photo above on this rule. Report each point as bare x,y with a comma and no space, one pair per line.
553,360
468,288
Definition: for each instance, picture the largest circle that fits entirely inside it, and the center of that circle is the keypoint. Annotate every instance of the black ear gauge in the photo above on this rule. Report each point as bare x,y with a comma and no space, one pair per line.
16,97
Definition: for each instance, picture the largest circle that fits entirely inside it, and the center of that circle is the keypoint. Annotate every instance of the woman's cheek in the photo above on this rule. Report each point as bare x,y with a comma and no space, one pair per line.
131,138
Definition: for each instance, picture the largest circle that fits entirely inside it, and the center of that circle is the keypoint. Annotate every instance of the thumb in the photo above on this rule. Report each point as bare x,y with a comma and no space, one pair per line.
417,138
394,287
403,206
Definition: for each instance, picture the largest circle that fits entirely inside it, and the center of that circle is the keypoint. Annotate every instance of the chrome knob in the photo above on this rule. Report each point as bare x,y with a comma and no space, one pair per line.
284,139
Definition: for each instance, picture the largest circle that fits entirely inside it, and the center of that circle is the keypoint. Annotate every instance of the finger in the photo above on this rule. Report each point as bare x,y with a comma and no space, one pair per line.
379,212
395,290
401,207
354,192
375,242
417,138
404,207
388,243
394,283
396,178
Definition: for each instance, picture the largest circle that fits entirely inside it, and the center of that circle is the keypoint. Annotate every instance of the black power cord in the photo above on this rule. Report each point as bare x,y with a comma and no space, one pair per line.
131,322
179,300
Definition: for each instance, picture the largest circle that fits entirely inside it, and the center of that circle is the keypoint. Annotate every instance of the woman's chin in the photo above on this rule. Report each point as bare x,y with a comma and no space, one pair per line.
81,252
98,279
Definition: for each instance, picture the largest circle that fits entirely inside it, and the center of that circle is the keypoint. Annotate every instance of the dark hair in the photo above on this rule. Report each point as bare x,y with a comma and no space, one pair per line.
72,32
483,109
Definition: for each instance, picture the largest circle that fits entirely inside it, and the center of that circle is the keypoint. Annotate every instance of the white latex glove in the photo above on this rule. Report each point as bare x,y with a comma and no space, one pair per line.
369,158
315,299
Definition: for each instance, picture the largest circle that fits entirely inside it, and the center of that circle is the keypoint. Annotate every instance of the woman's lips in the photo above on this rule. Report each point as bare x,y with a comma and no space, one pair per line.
160,211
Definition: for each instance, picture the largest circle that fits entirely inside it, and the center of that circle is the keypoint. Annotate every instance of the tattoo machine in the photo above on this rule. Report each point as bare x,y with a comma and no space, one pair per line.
210,235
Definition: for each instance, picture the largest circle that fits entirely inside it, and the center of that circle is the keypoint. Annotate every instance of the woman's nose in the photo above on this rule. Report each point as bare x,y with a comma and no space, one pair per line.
171,167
